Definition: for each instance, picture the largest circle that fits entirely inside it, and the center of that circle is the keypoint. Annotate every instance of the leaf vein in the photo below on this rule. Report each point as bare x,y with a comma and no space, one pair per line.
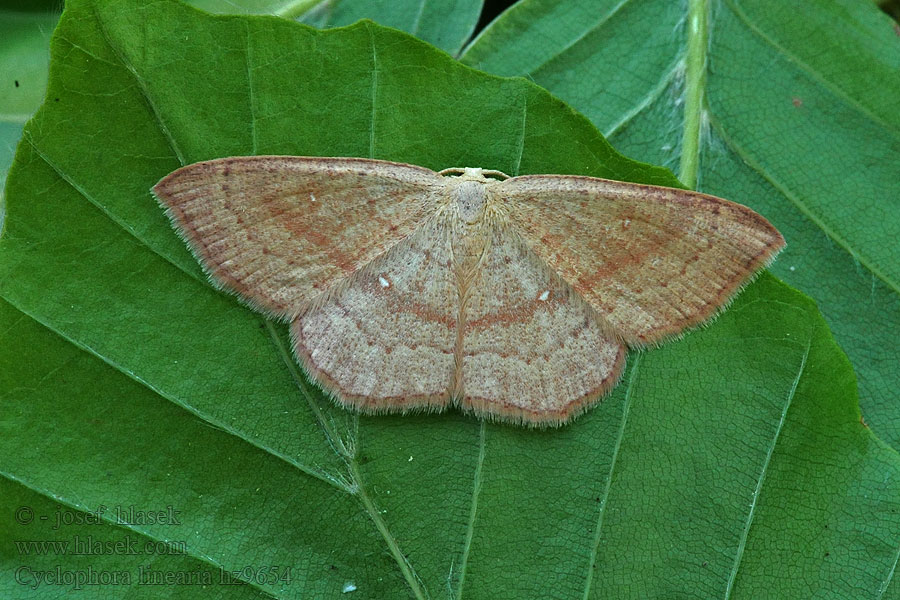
521,142
745,533
890,576
612,466
374,93
604,19
648,99
142,86
470,529
417,22
251,98
412,578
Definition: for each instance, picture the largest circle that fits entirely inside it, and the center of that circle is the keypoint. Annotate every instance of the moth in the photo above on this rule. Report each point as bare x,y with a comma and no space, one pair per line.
515,298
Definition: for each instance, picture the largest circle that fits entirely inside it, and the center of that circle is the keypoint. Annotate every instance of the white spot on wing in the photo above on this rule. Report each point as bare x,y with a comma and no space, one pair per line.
349,587
544,295
384,282
312,197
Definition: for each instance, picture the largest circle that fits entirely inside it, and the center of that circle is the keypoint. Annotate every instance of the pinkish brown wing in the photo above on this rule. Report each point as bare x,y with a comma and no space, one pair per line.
530,349
281,230
652,261
384,340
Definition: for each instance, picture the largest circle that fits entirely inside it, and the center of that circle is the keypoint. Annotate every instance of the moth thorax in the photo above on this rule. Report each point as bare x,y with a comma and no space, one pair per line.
470,197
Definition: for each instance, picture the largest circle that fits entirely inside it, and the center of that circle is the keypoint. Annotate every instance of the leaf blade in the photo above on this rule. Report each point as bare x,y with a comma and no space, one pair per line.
111,262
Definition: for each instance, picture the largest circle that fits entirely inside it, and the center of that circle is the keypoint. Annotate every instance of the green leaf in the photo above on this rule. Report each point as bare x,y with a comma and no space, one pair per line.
795,114
730,463
445,23
24,56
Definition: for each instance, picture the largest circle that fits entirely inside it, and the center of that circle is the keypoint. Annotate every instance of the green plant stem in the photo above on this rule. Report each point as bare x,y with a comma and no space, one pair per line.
695,86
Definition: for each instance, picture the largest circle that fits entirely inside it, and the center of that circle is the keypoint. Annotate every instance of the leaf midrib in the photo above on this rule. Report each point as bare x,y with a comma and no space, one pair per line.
694,91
